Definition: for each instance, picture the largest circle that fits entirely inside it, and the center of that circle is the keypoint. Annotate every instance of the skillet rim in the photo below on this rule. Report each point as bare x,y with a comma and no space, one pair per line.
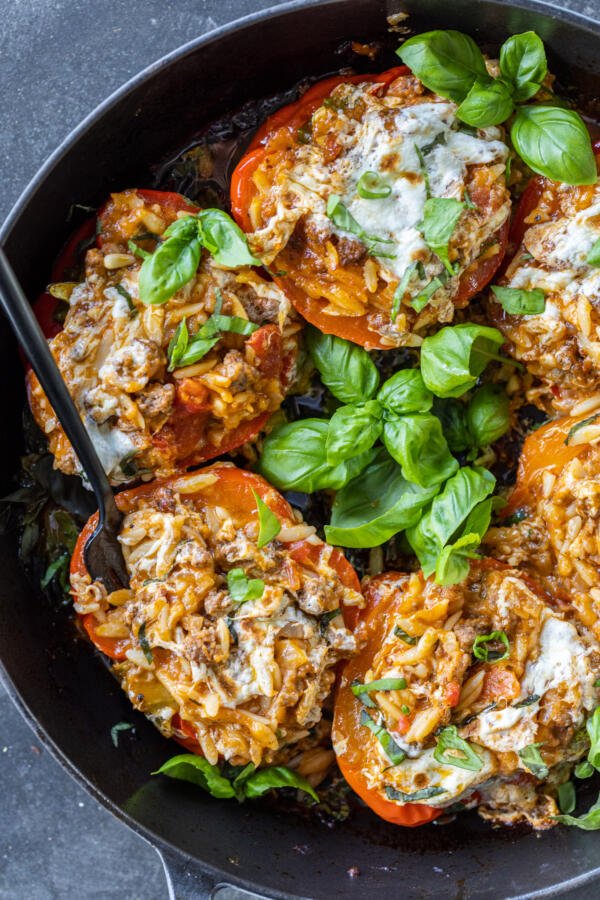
175,856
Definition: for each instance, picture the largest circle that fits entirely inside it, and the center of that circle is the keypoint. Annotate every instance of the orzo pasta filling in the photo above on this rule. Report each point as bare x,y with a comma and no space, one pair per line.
219,642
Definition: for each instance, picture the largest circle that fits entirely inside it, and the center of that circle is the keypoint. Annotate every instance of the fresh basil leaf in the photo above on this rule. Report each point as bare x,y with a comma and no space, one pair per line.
294,458
419,302
269,525
440,218
453,359
517,302
593,257
417,443
371,186
447,62
554,142
483,647
343,219
173,263
275,777
405,392
593,729
144,643
427,793
447,513
401,290
117,729
454,561
589,821
345,368
391,749
532,759
523,63
583,769
465,756
57,566
409,639
198,771
224,240
353,430
566,797
197,349
478,520
382,684
377,504
453,416
242,588
178,345
486,104
488,414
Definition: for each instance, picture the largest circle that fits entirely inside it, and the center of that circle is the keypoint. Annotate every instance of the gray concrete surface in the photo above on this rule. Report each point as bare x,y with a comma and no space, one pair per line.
58,59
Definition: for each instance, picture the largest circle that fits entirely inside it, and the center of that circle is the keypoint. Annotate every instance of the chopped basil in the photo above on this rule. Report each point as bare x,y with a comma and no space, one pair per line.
397,796
583,770
593,257
138,251
116,729
419,302
407,638
178,345
579,425
391,749
269,525
528,701
566,797
382,684
489,654
242,588
532,760
464,756
122,290
343,219
518,302
371,186
440,218
185,350
401,290
143,642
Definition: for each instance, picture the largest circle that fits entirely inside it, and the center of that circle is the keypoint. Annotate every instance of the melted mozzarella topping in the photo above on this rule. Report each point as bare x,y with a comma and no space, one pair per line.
394,150
562,663
453,780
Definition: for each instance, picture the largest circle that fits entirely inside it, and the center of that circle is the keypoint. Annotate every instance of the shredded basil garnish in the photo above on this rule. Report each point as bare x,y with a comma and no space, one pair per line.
488,654
391,749
407,638
143,642
467,758
397,796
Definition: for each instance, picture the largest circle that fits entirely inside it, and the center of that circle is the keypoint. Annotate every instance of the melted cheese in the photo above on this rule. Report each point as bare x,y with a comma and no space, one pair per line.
411,775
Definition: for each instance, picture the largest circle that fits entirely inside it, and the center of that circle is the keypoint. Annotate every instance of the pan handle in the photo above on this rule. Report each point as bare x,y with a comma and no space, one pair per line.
186,881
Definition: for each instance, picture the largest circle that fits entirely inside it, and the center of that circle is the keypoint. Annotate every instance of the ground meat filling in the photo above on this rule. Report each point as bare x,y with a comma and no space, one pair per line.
247,679
414,142
113,354
560,346
536,685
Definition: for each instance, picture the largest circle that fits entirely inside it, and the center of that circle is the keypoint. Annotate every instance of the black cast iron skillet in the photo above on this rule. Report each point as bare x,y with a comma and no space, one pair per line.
62,688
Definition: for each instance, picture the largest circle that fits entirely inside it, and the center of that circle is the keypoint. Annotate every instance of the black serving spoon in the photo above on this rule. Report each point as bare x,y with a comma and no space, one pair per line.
102,553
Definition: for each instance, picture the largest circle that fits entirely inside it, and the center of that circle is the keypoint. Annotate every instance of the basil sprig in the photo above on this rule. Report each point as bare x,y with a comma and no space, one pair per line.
242,588
450,516
593,257
241,782
464,755
483,651
376,505
176,258
551,140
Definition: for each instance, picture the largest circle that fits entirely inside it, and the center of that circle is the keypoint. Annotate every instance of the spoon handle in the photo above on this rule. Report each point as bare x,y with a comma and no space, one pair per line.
35,347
